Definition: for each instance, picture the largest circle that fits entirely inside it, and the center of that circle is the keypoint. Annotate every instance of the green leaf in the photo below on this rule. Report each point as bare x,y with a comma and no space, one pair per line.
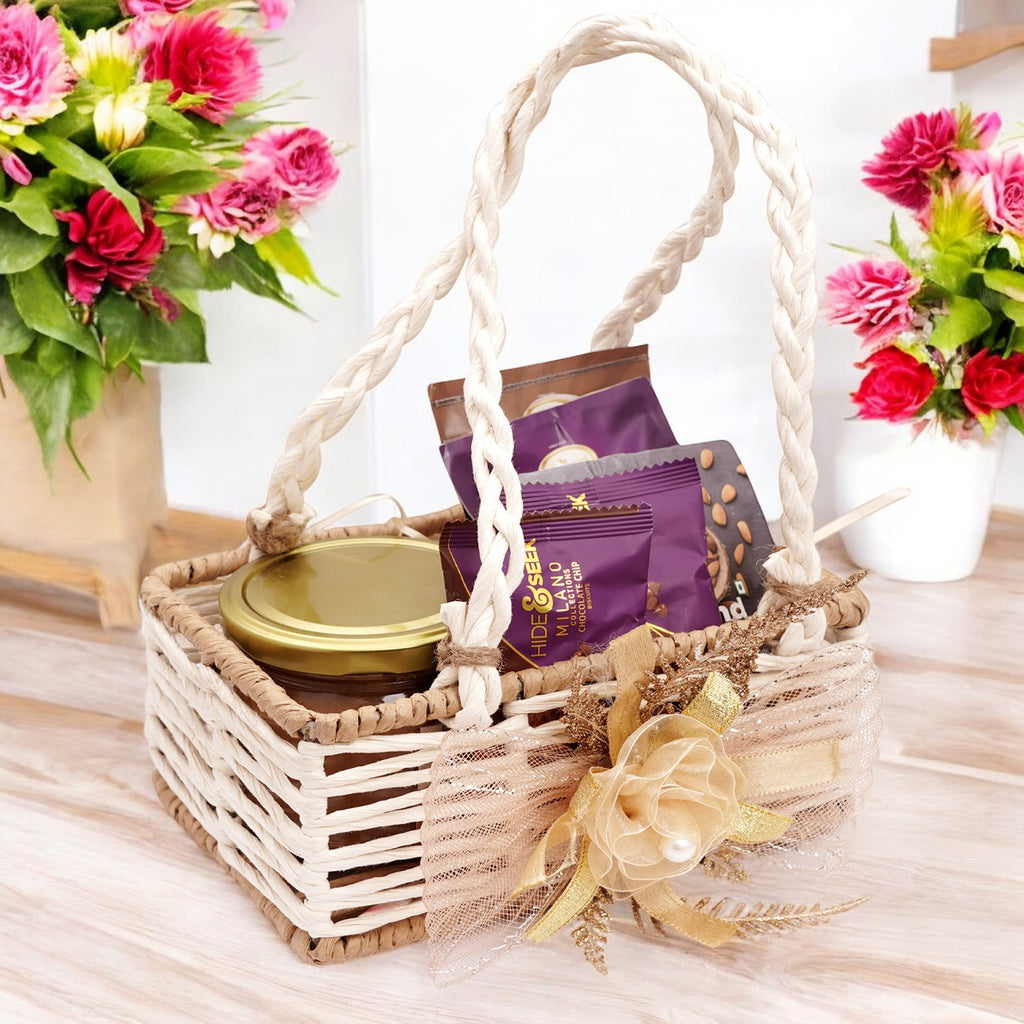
185,183
121,323
32,205
74,160
48,400
170,121
1007,282
54,356
1015,417
896,242
39,297
1013,310
965,319
245,268
179,267
144,163
89,380
15,335
20,246
282,251
86,14
183,341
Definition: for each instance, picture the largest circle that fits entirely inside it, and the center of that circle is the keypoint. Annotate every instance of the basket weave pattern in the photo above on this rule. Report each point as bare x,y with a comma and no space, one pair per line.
317,815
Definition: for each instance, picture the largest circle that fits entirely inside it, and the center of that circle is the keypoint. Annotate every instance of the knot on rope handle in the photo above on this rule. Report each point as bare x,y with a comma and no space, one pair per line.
479,685
274,535
804,635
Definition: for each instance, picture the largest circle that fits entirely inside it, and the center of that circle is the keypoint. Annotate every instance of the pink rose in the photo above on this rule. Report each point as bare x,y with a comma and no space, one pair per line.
999,178
913,151
144,7
35,73
873,297
895,387
274,13
246,206
300,160
109,246
992,383
198,55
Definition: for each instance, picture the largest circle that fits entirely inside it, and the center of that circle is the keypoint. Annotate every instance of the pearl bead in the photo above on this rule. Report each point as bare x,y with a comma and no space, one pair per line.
678,850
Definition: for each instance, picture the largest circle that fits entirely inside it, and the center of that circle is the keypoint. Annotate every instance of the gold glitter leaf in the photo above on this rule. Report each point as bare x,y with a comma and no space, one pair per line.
591,934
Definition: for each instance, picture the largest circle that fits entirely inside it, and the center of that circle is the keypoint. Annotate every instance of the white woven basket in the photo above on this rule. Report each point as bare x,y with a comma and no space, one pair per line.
255,777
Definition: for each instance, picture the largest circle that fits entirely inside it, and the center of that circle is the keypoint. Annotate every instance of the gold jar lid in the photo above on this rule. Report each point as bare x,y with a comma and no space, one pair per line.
351,606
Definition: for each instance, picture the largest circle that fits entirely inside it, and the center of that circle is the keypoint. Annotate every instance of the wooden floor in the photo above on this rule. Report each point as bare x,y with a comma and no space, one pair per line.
111,914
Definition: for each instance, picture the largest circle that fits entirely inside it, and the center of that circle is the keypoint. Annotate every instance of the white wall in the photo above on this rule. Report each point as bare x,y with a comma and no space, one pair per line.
619,161
225,423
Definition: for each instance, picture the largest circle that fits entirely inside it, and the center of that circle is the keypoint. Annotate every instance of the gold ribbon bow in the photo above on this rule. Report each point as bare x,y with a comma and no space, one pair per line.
671,795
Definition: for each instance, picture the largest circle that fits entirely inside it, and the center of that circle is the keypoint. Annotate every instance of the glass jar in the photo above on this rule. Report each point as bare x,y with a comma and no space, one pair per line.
343,624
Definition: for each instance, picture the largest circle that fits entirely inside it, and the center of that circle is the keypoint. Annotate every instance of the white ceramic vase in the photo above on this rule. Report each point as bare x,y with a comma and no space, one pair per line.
937,532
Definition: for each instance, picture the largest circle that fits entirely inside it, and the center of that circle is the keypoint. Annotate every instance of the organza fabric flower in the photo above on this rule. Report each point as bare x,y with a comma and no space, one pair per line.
999,179
671,796
199,55
109,246
35,74
300,160
895,386
873,297
992,382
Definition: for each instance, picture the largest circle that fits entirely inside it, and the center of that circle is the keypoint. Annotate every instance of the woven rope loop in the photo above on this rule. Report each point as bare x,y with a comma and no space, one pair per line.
729,102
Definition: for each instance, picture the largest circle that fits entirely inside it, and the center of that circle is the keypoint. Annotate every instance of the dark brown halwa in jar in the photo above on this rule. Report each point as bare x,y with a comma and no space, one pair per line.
341,624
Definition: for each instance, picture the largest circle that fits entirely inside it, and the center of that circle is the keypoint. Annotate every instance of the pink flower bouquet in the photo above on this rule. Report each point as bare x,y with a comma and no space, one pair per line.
136,171
942,323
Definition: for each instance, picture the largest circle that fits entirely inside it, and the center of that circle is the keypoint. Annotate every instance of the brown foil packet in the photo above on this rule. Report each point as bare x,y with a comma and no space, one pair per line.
737,534
585,581
528,389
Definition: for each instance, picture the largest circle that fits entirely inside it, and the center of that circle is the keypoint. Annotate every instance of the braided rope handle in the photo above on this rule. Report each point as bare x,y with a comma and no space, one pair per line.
728,101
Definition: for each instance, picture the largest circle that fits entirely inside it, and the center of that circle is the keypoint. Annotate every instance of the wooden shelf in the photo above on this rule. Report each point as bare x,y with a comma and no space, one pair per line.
972,47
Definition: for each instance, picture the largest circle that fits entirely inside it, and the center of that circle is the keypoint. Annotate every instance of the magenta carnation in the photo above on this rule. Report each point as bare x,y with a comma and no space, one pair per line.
300,160
246,206
108,246
198,55
35,74
914,150
872,296
999,179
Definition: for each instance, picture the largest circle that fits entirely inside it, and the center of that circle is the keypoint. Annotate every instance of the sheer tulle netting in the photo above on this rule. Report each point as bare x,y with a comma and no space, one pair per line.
494,795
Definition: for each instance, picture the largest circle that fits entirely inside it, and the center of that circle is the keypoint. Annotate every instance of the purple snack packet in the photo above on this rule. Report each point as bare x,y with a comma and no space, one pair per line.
585,581
680,594
625,418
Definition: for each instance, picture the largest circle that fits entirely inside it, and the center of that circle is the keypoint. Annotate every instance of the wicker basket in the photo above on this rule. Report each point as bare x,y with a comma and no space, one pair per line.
317,815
